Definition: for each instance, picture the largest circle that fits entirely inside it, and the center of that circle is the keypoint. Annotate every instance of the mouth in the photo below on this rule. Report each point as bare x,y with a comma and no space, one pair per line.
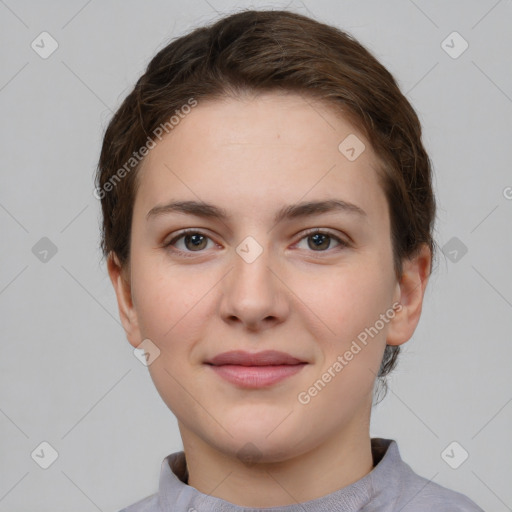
255,370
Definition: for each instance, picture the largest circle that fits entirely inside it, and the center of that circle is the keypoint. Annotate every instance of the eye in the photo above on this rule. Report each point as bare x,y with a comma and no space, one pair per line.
196,241
193,241
321,240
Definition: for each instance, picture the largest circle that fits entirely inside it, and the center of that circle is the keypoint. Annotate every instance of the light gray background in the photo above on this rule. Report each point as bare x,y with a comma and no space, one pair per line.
69,377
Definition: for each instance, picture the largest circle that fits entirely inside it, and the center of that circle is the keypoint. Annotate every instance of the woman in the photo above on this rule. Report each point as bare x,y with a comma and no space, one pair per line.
268,214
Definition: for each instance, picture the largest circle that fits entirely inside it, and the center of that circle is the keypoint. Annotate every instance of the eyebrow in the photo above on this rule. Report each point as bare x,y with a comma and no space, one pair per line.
292,211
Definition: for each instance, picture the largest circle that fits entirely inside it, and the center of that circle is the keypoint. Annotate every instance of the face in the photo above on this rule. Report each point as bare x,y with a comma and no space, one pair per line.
308,284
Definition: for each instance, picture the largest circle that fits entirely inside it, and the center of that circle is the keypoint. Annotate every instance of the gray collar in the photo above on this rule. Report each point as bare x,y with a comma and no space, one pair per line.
175,494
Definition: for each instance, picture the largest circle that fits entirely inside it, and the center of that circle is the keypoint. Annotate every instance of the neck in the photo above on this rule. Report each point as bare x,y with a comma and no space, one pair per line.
336,463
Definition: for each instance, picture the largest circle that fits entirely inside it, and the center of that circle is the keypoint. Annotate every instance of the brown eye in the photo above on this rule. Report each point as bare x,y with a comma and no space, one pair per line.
321,241
192,241
196,241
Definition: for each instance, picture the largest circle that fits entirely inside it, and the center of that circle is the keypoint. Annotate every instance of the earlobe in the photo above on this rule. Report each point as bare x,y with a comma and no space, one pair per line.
412,285
122,288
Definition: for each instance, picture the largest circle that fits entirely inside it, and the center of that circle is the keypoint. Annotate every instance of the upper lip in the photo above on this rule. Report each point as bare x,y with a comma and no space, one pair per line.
242,358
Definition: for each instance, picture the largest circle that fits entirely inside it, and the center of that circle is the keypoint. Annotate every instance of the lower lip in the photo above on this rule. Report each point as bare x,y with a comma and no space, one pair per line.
256,376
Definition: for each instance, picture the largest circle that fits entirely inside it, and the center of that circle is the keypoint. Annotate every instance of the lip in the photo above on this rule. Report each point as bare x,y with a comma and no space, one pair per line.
265,358
255,370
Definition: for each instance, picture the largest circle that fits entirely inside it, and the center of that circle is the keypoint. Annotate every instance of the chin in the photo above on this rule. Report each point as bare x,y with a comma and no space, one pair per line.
261,442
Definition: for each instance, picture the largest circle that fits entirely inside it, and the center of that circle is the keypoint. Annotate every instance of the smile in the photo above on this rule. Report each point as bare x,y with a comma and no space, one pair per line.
255,370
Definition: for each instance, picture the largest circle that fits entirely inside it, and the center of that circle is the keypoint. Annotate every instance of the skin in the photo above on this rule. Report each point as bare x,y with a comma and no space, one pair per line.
252,156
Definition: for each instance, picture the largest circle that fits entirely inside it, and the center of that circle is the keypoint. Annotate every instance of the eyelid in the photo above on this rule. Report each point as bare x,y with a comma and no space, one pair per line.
188,231
326,231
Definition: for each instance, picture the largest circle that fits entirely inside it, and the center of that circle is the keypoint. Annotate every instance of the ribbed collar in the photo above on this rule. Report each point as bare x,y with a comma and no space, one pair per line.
176,495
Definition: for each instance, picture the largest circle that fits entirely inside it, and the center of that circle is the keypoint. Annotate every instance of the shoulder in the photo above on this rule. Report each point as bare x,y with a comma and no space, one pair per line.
148,504
419,494
396,486
425,496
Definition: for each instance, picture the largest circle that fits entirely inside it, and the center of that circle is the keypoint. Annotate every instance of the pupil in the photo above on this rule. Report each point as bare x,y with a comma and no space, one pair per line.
316,237
195,239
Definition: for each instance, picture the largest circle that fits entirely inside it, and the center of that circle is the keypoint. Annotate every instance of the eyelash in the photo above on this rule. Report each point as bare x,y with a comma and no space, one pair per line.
187,254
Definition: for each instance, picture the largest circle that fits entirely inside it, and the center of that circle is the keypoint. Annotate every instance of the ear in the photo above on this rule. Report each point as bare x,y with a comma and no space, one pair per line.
410,293
122,287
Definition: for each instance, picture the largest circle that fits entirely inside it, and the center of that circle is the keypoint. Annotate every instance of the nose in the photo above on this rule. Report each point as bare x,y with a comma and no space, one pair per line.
254,294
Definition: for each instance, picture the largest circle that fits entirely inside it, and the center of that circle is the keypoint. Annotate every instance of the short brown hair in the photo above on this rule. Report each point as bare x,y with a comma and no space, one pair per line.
267,50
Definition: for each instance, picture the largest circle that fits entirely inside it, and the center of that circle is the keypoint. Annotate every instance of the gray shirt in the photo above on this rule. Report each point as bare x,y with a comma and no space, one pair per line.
391,486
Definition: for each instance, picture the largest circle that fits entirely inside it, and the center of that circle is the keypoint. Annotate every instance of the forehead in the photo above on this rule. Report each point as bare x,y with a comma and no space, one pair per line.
255,155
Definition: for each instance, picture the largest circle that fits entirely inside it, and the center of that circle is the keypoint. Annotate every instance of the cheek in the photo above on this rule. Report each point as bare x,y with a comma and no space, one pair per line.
168,301
351,306
346,300
170,313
